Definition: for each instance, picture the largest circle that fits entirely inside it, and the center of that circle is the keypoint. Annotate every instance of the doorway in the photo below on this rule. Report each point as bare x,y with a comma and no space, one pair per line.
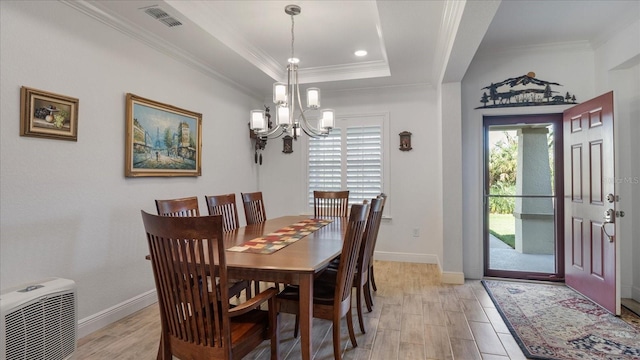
523,197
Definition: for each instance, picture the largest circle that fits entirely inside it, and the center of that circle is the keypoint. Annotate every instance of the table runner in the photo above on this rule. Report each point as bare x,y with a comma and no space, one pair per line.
280,238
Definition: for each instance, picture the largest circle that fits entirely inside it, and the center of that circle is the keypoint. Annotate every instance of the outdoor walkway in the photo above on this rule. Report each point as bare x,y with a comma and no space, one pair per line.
503,257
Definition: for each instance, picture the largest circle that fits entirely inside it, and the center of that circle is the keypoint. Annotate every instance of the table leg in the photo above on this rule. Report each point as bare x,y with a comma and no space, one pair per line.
306,315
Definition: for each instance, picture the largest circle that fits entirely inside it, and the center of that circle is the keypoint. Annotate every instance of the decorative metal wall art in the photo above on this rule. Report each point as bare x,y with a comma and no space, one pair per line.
524,90
405,141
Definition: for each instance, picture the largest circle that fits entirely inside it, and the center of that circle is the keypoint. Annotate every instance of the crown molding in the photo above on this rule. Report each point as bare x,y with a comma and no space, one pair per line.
153,41
451,17
364,70
219,27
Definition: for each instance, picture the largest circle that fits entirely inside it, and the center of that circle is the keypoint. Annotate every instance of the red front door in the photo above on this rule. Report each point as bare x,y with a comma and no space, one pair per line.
590,256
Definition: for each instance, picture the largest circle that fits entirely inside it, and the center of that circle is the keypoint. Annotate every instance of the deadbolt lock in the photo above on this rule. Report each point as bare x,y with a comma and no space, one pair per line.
609,215
613,198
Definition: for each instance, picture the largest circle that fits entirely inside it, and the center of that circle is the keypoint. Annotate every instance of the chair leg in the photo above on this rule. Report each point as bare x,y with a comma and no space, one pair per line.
296,327
164,353
372,279
359,304
336,340
368,299
274,325
352,334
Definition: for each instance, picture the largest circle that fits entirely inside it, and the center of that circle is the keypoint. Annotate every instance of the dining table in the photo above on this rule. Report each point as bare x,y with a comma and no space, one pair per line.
297,263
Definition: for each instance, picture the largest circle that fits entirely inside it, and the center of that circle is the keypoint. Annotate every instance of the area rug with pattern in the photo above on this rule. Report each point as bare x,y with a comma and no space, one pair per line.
554,322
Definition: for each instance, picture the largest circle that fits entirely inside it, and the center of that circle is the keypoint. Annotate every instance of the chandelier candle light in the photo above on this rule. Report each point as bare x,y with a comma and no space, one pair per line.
285,96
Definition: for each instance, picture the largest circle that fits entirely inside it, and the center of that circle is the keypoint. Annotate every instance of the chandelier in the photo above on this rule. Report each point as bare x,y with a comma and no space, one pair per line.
287,99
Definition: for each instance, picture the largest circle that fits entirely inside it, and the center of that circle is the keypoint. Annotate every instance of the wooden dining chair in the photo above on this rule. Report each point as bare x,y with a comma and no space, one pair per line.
178,207
365,255
188,207
254,214
196,320
253,208
372,279
224,205
333,301
330,203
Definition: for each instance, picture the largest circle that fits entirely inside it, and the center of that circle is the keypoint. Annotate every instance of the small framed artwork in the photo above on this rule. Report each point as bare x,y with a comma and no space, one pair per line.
48,115
161,139
405,141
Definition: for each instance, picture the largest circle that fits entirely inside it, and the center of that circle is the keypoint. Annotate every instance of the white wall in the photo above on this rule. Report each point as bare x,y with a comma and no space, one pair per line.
617,63
451,182
415,180
67,210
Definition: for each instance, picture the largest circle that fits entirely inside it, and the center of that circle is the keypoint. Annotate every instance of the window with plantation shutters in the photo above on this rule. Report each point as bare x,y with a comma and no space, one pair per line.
364,162
351,158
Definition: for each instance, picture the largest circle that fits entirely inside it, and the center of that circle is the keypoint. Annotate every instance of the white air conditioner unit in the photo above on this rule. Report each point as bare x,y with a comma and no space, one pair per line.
39,321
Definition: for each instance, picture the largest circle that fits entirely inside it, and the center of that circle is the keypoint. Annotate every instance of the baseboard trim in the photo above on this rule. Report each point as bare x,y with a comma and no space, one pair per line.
635,293
97,321
406,257
447,277
452,277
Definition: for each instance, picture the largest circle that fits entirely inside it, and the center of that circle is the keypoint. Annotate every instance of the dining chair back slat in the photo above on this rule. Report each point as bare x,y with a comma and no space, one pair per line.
224,205
330,203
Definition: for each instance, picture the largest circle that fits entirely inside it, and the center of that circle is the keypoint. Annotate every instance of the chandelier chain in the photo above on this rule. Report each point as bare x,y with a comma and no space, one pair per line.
292,36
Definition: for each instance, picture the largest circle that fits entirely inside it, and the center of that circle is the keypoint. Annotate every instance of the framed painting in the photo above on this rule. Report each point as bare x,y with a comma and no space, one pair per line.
48,115
161,140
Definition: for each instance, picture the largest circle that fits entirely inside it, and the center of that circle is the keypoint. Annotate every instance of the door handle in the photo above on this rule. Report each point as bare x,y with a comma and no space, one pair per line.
609,218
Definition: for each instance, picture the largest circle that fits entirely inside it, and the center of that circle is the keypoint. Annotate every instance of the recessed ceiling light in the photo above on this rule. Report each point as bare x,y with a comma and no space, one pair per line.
361,52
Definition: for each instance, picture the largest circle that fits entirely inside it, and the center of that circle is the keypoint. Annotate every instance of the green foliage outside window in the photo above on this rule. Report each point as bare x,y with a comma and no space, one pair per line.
503,166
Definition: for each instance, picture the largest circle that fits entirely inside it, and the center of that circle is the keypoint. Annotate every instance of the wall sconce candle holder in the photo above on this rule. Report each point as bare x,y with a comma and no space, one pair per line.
260,142
287,144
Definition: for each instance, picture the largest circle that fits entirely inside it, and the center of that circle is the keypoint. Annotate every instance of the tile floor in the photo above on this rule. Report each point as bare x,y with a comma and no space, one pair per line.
414,317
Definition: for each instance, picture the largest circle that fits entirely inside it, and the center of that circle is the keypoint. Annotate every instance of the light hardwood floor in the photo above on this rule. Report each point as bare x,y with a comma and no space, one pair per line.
414,317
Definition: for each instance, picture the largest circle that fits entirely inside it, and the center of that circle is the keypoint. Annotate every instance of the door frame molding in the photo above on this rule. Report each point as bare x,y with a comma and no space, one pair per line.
513,119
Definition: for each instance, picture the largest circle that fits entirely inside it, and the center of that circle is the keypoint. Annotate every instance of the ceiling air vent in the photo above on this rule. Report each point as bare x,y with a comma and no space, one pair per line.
162,16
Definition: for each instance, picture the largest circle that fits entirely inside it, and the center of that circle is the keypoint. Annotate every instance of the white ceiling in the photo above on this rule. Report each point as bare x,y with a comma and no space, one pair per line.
247,43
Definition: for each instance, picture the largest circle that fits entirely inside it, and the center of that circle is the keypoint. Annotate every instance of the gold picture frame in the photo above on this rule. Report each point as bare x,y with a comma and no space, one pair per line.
48,115
161,139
